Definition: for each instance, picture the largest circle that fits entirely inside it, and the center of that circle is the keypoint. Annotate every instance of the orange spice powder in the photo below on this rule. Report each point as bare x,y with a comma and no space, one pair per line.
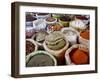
85,35
79,57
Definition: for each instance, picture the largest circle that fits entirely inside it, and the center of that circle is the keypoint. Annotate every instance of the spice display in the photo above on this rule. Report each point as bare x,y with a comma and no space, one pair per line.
57,39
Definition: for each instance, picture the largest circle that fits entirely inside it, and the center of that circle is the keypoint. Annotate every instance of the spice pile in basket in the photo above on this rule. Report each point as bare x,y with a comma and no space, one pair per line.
79,56
30,47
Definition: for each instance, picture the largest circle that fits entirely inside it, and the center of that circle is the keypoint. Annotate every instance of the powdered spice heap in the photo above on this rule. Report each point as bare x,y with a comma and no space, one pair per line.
85,35
30,47
79,56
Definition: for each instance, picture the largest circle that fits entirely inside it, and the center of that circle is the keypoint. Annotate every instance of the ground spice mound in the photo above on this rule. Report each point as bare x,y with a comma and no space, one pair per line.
40,60
79,57
30,47
85,35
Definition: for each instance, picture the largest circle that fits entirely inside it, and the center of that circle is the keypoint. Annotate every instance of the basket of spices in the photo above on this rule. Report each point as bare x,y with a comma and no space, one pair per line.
42,15
64,20
77,54
29,25
50,20
78,25
31,46
39,25
56,44
71,35
84,37
40,59
54,27
84,18
39,38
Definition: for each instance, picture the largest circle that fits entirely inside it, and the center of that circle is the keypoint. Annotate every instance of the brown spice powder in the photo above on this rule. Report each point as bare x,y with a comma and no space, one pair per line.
30,47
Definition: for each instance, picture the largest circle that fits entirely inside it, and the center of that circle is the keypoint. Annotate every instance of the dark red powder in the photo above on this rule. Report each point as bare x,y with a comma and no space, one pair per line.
30,47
